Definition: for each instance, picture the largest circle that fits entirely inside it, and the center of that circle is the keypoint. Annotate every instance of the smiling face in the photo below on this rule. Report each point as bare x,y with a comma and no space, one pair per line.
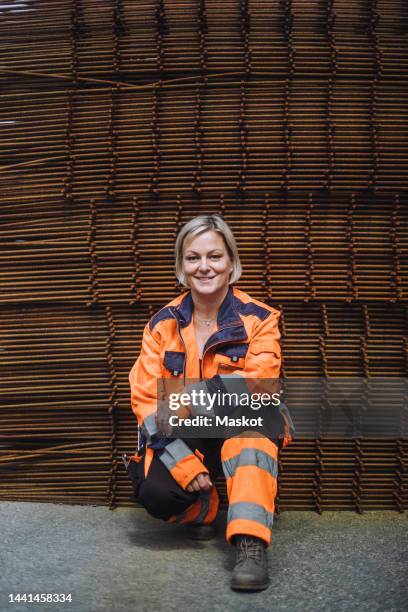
207,265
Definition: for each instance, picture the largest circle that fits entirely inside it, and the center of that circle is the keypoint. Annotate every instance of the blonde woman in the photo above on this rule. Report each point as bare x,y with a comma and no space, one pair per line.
212,333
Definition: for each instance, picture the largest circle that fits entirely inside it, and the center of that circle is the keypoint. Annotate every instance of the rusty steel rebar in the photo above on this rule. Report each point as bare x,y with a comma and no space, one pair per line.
121,121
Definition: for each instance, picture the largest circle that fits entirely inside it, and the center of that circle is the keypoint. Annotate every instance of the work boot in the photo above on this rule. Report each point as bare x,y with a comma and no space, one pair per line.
251,569
202,532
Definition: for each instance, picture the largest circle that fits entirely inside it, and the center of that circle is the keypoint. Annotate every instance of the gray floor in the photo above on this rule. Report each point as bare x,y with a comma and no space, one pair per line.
125,560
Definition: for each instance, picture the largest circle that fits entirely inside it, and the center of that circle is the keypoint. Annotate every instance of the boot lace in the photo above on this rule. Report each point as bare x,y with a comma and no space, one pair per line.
250,548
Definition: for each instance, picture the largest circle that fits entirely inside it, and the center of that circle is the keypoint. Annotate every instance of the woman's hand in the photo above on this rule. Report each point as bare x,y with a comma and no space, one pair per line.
201,483
162,419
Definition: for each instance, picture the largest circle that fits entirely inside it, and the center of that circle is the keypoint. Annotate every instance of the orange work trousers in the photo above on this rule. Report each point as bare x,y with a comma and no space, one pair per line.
249,463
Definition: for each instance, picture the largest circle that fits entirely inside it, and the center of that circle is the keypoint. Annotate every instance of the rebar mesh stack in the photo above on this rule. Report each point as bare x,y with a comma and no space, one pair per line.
120,121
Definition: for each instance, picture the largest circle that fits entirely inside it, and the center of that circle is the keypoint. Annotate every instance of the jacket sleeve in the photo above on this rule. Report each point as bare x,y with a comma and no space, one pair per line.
263,361
263,358
144,378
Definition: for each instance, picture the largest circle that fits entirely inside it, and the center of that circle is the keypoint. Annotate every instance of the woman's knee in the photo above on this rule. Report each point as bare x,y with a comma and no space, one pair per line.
164,500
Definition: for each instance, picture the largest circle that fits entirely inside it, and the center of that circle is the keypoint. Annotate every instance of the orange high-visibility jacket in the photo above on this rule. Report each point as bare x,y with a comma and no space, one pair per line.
246,343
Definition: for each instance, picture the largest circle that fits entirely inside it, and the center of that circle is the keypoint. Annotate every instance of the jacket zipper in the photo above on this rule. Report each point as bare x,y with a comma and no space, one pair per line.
211,346
184,344
208,347
222,341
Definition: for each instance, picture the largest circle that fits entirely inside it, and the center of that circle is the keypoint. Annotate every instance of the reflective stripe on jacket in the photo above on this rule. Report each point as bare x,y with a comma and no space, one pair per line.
246,343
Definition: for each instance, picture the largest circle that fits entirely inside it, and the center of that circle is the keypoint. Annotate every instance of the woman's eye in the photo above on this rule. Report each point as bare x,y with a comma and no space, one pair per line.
194,257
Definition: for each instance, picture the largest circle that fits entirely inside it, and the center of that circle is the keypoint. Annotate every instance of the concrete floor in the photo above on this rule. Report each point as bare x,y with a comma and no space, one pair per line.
127,561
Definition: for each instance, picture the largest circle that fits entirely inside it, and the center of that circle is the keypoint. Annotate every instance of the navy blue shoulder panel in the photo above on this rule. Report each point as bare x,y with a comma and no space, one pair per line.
251,309
164,313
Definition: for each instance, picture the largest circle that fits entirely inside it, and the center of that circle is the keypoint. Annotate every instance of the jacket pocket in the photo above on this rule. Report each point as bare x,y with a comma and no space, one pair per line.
174,362
233,351
227,366
230,358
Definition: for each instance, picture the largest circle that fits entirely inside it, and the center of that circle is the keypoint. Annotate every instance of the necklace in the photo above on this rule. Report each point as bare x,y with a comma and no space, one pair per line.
206,322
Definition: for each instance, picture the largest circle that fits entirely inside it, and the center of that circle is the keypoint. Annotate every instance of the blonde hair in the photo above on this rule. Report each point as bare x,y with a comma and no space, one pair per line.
199,225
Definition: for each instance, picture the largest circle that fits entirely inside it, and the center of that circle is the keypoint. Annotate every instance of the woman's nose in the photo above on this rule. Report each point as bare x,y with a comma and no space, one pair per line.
203,264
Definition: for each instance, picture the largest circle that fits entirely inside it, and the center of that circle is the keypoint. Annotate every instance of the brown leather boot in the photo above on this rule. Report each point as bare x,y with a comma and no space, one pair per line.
251,569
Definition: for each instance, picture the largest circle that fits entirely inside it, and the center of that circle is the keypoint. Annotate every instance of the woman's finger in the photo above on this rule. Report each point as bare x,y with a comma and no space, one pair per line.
204,481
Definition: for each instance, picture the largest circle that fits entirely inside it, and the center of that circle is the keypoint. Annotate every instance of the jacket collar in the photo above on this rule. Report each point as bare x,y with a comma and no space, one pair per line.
227,314
230,325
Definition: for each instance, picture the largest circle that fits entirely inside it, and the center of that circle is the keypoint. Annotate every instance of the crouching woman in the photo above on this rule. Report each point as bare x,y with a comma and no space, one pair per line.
211,333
